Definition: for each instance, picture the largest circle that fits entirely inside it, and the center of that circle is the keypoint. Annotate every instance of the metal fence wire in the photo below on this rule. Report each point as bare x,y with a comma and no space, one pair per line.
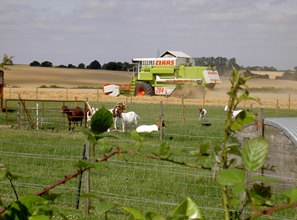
42,155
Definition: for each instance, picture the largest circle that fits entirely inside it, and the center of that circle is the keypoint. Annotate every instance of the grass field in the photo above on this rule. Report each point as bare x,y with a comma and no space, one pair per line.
42,157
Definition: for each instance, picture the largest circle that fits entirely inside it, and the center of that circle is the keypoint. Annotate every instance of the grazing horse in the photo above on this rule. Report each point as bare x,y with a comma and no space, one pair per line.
75,115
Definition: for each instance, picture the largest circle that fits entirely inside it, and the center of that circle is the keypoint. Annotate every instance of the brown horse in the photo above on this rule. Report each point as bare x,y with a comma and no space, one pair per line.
75,115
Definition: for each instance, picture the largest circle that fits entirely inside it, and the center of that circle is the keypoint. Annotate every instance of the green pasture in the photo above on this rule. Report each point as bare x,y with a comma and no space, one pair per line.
39,158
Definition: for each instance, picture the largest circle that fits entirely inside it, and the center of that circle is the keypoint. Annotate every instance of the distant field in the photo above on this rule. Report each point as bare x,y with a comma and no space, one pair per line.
21,77
271,74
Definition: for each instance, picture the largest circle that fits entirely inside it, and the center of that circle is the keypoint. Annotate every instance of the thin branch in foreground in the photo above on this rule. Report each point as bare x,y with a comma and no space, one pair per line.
71,176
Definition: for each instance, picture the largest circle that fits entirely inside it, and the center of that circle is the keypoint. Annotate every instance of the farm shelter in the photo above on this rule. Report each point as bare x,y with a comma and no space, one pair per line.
281,134
181,57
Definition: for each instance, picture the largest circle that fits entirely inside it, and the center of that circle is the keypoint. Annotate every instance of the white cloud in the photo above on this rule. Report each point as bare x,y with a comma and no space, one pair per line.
118,30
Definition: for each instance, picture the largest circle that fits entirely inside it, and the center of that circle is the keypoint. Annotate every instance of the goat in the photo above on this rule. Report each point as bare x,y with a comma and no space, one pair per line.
117,113
150,128
234,113
90,113
75,115
129,118
202,114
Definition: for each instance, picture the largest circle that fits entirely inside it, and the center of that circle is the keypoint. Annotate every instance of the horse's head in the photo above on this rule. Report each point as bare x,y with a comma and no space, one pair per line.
65,109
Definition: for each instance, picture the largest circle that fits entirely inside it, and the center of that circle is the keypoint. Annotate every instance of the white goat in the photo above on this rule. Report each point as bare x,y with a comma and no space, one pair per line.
202,114
129,118
150,128
234,113
90,113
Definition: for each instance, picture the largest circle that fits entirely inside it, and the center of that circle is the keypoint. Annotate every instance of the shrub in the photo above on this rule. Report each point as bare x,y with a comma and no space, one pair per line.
35,63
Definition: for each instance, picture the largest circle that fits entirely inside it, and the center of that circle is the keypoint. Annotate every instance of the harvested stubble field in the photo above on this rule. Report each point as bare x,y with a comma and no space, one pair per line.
38,83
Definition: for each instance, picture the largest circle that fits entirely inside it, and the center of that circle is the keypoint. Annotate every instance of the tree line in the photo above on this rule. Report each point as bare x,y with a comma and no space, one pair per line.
95,65
222,64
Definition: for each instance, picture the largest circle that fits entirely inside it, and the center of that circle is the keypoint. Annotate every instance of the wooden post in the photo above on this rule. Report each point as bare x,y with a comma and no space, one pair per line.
87,180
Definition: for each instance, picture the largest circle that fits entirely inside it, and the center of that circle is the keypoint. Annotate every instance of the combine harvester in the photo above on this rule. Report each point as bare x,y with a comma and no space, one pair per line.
161,76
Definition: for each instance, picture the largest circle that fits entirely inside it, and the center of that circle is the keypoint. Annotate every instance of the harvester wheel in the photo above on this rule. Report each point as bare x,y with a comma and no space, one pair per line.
143,88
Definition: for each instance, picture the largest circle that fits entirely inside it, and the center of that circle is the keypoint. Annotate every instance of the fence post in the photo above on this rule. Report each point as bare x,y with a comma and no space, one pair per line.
87,180
19,113
37,116
80,179
161,120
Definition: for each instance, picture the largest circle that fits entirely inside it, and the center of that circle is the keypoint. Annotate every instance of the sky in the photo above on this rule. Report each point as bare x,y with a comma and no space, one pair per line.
254,32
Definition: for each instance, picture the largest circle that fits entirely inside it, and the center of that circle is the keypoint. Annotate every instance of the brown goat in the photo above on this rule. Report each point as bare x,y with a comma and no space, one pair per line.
75,115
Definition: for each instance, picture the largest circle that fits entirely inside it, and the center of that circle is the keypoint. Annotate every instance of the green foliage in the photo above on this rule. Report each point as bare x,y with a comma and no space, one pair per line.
101,121
291,194
104,207
7,60
230,177
29,207
254,154
187,209
236,179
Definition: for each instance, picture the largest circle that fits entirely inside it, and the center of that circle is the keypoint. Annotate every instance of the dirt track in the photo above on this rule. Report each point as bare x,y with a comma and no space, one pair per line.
26,81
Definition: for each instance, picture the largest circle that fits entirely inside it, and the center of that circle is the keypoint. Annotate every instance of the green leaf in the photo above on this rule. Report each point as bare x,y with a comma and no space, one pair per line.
260,195
187,209
254,153
154,216
136,136
39,217
243,118
238,188
101,136
135,213
264,179
101,121
291,194
164,148
104,207
230,177
28,206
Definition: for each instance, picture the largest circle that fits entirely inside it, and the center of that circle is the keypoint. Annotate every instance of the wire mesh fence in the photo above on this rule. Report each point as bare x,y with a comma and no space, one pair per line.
40,157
